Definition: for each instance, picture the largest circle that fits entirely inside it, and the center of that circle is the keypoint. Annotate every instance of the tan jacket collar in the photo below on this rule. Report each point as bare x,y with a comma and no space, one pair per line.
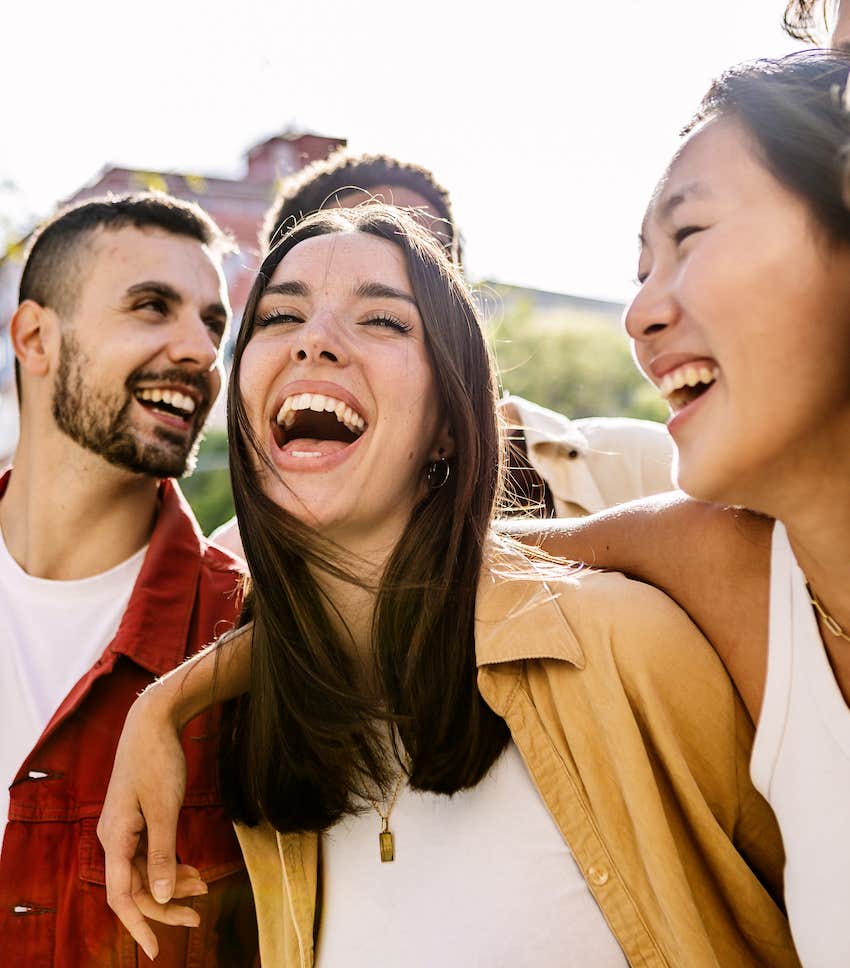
517,616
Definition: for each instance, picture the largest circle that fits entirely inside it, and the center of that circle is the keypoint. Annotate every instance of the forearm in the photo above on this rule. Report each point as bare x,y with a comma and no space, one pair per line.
220,672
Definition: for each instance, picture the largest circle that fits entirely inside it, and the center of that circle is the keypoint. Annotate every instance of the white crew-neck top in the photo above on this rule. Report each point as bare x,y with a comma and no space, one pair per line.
482,879
801,765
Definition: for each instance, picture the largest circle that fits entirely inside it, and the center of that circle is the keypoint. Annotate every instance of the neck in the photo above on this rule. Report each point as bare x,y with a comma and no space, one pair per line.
353,609
68,514
819,532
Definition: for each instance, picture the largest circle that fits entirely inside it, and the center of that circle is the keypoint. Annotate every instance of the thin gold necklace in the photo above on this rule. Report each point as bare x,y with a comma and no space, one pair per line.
385,837
828,620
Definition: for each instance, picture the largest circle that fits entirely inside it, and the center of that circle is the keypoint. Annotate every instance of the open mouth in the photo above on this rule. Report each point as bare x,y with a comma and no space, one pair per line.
687,383
166,401
315,425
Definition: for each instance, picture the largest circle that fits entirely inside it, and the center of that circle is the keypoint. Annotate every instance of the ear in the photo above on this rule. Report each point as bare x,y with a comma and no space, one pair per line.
31,329
444,444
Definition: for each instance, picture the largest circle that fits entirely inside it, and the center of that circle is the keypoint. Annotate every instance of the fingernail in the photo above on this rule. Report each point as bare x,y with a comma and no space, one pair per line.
162,891
149,952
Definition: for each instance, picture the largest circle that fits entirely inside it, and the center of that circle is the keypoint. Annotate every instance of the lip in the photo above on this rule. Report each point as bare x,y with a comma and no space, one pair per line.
313,465
659,366
681,417
319,387
168,419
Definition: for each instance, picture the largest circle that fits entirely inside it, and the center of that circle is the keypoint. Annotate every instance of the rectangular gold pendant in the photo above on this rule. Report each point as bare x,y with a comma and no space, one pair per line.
385,841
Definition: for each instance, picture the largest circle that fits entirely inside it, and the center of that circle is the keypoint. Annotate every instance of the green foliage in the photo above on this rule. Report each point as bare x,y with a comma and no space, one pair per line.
208,489
574,362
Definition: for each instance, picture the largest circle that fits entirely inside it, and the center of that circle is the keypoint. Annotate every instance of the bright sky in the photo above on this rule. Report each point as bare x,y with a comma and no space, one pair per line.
549,122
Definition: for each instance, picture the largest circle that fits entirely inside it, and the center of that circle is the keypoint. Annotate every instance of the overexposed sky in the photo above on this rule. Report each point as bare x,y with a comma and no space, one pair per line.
549,122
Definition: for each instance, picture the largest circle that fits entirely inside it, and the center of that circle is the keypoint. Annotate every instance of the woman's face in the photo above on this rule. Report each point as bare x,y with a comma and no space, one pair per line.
338,386
743,322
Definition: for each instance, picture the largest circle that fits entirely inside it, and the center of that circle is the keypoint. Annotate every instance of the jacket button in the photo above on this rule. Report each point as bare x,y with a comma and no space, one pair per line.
597,875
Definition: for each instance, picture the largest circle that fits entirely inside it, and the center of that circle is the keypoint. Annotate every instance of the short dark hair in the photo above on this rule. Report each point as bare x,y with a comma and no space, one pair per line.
795,108
53,262
323,183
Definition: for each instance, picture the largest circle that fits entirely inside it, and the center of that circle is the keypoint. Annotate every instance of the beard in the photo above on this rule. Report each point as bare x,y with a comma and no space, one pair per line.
102,422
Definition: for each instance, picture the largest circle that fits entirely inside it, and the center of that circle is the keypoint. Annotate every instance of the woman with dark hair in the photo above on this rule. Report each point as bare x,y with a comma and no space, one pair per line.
451,751
743,322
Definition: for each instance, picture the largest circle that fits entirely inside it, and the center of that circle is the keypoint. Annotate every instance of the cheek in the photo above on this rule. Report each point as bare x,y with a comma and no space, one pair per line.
254,376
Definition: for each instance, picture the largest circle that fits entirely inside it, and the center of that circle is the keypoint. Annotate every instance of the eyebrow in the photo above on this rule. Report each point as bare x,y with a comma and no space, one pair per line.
694,189
167,292
669,205
366,290
377,290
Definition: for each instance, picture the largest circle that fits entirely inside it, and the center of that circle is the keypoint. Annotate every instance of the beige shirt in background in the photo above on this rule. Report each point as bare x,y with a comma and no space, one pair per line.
595,462
639,745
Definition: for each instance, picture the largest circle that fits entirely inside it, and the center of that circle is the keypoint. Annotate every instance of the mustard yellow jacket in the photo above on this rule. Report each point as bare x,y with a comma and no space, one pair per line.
638,743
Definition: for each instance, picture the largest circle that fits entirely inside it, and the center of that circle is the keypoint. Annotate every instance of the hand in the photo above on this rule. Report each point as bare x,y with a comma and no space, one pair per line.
138,825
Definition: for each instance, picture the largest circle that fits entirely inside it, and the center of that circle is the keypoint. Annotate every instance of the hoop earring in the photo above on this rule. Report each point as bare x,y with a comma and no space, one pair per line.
437,473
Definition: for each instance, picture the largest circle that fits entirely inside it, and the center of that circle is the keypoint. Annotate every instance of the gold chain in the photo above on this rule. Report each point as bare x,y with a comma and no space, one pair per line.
828,620
386,842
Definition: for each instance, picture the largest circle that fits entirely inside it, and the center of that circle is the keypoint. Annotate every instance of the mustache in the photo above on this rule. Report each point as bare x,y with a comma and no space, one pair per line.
175,374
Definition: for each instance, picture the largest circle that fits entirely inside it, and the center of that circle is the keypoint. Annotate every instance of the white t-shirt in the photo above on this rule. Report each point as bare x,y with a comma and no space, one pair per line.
482,879
801,765
51,633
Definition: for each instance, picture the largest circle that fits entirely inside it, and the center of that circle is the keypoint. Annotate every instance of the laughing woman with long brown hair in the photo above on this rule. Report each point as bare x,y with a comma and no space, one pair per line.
449,751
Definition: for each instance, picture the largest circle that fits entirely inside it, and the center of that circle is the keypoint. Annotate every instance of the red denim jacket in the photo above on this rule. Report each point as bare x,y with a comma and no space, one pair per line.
53,911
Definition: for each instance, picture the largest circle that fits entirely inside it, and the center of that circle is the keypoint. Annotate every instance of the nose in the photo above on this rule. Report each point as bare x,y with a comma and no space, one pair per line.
653,310
319,340
193,343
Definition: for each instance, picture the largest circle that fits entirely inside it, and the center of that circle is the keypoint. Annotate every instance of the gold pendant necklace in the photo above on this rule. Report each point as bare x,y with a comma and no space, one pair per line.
386,843
828,620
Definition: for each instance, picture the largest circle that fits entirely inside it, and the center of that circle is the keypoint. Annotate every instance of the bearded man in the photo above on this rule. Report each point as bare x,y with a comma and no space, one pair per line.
105,579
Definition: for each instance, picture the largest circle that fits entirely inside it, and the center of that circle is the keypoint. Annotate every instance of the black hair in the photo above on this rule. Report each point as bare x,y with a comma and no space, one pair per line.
324,183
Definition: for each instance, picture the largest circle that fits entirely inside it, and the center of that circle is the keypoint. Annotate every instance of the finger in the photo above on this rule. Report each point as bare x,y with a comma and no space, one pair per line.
162,862
188,882
171,913
120,891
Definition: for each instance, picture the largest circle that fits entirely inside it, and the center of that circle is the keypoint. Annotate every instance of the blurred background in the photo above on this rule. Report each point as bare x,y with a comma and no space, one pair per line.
548,123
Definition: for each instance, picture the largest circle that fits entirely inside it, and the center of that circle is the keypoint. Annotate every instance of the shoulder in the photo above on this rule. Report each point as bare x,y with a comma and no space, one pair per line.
638,630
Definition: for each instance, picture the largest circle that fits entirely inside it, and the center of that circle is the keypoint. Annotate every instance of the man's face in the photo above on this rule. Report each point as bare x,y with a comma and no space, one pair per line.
139,360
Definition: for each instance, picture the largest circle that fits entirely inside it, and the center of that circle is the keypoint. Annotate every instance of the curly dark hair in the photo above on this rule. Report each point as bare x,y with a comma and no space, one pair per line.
342,175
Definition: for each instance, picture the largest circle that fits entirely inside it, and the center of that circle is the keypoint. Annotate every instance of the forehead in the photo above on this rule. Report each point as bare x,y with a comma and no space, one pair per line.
718,160
115,260
343,260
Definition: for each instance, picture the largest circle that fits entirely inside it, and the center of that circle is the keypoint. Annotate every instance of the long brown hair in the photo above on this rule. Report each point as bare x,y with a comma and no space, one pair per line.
306,742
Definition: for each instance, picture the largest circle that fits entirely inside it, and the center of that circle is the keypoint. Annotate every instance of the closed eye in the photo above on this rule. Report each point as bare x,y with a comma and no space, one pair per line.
275,318
685,232
388,321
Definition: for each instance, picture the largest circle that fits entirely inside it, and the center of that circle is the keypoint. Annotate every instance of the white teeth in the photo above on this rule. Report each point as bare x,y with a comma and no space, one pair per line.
320,402
687,376
180,401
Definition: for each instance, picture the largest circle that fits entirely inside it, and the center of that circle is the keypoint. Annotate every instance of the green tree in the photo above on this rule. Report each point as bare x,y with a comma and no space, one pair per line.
577,363
208,488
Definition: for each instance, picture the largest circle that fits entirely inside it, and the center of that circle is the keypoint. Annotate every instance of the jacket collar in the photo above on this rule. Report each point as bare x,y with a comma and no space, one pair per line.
517,615
154,629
